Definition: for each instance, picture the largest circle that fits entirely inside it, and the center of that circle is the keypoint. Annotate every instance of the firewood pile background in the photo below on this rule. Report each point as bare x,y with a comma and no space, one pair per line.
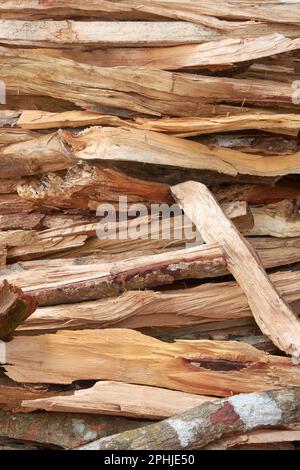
185,341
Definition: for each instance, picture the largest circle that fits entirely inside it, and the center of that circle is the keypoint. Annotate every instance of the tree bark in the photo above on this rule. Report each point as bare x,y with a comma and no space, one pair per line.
206,423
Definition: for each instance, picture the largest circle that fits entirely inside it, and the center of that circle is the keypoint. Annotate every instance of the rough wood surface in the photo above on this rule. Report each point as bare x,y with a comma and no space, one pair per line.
277,220
120,399
213,368
63,430
212,55
271,313
15,307
107,145
200,426
128,91
209,303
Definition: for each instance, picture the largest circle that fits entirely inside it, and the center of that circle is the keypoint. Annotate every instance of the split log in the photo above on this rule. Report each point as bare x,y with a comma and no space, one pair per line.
103,34
199,12
206,423
207,304
107,146
126,91
15,308
271,313
239,119
186,127
213,55
65,430
213,368
89,281
59,239
277,220
255,194
84,187
40,155
120,399
86,282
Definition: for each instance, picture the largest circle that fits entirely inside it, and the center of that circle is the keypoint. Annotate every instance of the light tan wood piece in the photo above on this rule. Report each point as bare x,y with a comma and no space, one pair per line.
271,313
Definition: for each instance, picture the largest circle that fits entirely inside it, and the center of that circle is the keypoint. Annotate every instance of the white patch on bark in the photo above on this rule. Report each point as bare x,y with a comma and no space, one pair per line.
2,352
78,426
90,436
185,430
256,409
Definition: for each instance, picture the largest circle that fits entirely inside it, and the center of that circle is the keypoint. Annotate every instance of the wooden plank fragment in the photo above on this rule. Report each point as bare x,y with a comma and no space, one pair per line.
120,399
213,368
271,313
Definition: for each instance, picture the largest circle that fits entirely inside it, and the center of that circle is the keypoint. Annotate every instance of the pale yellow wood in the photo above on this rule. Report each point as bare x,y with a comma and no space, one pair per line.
131,357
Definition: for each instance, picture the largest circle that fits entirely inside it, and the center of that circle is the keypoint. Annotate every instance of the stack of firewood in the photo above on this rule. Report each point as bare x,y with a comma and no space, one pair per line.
190,341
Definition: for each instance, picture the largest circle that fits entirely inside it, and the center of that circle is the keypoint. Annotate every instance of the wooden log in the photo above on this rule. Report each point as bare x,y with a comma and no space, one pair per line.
255,194
271,313
58,239
198,12
15,308
187,127
120,399
204,424
207,304
107,146
114,90
277,220
212,55
84,187
109,280
213,368
40,155
101,34
239,119
64,430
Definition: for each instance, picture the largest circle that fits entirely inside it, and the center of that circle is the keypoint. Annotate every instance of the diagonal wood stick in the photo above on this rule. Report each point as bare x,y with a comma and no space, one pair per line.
271,313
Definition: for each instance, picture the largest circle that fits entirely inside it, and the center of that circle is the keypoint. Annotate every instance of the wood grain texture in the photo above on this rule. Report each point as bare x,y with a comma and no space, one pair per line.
214,368
271,313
